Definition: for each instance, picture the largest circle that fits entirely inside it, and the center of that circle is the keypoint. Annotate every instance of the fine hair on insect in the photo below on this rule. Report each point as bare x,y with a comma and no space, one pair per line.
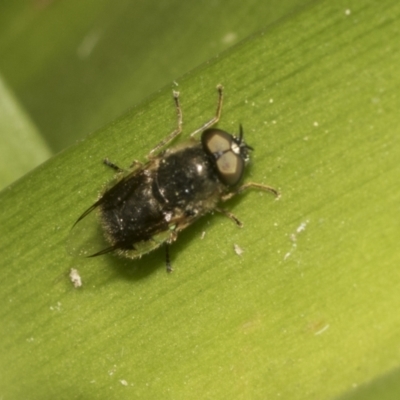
150,203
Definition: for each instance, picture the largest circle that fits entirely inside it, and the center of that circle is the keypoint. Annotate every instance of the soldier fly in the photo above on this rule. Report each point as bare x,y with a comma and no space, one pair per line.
153,201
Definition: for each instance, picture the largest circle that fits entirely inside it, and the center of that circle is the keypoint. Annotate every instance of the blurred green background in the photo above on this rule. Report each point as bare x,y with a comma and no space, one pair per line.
75,65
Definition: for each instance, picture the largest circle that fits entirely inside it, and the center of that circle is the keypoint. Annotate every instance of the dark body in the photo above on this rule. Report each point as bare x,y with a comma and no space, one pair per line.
162,197
149,205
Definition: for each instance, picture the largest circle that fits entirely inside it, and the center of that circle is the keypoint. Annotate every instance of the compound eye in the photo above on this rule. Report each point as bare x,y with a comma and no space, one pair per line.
216,141
229,162
230,167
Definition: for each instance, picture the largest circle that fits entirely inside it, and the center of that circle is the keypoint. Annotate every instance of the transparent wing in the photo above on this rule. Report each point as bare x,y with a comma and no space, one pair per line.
86,238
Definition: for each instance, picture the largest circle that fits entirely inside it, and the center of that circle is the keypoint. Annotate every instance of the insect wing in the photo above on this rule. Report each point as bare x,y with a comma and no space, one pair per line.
86,237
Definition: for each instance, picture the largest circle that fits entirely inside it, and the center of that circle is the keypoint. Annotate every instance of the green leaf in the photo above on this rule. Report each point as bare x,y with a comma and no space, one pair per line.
309,310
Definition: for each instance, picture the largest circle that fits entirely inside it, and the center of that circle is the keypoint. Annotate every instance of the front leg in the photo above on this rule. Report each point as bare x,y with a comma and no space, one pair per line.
173,134
250,185
217,116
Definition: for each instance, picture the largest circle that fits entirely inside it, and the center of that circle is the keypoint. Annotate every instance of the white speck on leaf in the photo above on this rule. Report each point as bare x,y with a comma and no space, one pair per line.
238,250
75,277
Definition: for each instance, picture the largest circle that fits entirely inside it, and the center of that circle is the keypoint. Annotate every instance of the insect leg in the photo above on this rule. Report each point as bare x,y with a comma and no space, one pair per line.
217,116
167,259
250,185
173,134
136,164
229,215
110,164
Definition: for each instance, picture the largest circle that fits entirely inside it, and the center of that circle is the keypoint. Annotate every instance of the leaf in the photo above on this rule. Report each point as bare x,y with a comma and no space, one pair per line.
307,311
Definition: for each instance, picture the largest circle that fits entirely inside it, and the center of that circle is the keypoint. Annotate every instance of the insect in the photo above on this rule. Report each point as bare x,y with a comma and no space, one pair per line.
152,202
